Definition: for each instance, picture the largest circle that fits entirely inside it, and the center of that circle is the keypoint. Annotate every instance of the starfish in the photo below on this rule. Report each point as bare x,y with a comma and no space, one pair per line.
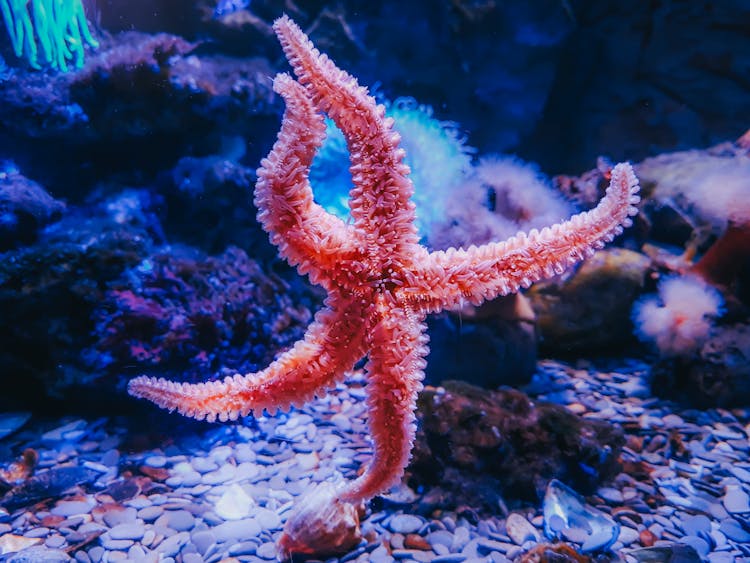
380,282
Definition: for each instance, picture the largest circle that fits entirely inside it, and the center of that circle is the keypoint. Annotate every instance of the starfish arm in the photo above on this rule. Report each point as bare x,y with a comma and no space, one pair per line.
332,344
447,279
380,201
307,236
398,347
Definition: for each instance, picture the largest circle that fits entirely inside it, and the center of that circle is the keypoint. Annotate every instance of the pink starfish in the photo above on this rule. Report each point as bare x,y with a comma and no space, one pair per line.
381,283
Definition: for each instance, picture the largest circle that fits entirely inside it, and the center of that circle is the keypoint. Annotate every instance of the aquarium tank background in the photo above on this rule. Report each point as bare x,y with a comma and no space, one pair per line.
449,281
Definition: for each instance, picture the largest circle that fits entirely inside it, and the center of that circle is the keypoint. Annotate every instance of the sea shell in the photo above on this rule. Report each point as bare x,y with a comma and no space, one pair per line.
322,524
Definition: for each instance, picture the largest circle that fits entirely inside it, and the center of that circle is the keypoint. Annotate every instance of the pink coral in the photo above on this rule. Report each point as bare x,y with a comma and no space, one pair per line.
680,320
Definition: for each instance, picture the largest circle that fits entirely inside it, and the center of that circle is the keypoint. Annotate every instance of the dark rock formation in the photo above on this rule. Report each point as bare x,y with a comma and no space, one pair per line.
478,447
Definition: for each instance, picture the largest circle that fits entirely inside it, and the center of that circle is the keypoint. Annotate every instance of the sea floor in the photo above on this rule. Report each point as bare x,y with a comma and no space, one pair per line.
222,494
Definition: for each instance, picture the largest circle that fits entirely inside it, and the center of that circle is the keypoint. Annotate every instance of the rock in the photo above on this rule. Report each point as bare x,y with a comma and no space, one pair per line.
490,345
38,554
590,309
719,377
25,207
479,445
519,529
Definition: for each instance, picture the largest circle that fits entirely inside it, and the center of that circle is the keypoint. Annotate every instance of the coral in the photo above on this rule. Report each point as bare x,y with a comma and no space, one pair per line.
25,207
437,157
710,187
513,443
56,27
179,313
500,196
680,320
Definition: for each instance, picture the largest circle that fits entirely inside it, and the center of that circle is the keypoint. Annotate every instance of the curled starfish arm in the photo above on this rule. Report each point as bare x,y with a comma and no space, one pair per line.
307,236
380,201
448,279
332,344
398,347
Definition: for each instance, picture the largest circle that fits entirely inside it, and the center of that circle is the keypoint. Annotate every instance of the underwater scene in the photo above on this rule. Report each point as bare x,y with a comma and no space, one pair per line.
343,281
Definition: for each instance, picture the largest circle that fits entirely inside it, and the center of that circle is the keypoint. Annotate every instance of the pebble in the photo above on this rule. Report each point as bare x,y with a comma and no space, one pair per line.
405,523
234,503
228,490
697,525
221,475
519,529
698,544
202,540
628,535
54,541
179,520
268,519
150,513
72,507
736,500
243,548
171,545
130,531
734,531
237,530
155,461
610,495
266,551
203,464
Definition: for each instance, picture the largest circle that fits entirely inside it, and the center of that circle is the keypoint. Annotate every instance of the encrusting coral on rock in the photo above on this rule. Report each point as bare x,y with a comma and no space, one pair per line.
381,282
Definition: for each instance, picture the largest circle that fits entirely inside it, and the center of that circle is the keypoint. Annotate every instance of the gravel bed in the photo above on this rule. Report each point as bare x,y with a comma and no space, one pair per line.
224,494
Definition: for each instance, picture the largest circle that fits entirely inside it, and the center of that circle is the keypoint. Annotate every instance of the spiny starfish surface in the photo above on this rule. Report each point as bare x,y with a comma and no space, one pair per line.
381,282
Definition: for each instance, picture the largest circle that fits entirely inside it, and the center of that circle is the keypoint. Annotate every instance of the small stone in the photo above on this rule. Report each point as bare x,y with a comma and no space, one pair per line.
696,525
575,535
342,422
155,461
72,507
487,545
415,541
130,531
243,548
234,503
203,465
116,514
54,541
96,553
150,513
202,540
180,520
440,537
39,554
268,519
266,551
736,500
610,495
647,538
405,523
221,475
136,553
237,530
698,544
113,544
628,535
734,531
519,529
171,546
